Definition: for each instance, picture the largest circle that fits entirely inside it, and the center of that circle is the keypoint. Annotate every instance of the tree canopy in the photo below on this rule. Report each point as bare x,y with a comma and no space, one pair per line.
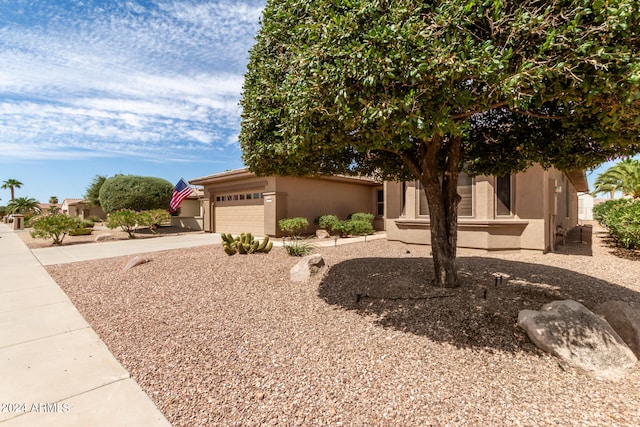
422,90
138,193
93,191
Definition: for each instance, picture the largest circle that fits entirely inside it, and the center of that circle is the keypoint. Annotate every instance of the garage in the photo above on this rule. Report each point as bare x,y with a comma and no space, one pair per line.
239,212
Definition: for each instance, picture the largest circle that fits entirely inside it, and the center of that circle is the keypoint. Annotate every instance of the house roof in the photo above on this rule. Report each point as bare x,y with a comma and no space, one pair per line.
578,178
70,202
245,173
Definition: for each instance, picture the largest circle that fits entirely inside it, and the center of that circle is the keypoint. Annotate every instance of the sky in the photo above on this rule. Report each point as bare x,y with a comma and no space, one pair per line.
101,87
152,88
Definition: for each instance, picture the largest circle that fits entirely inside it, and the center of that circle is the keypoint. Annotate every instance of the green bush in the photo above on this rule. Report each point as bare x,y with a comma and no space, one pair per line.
293,226
136,193
82,231
128,220
298,248
622,218
154,218
94,219
357,224
327,222
55,226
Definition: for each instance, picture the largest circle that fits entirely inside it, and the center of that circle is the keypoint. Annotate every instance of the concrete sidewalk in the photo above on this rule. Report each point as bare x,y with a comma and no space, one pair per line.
90,251
54,369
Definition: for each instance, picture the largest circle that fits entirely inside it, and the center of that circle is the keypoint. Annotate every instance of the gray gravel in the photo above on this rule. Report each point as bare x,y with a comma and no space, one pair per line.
218,340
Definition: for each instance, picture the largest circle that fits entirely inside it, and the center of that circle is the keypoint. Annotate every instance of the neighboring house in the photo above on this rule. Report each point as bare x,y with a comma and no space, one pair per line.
46,207
585,206
191,212
81,209
526,211
239,201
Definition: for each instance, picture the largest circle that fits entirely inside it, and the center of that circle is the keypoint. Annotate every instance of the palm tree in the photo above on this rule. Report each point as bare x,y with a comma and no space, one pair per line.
23,205
53,200
623,177
11,184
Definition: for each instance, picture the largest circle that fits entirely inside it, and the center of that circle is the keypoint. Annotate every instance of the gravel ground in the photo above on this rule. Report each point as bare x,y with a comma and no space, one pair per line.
218,340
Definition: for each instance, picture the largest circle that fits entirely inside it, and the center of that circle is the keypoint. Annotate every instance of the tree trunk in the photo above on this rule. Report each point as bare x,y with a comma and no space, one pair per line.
441,190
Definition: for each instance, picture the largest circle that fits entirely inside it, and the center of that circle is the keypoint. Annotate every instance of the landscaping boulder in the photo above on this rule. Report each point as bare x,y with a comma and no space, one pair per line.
625,320
104,236
306,267
584,340
322,234
136,261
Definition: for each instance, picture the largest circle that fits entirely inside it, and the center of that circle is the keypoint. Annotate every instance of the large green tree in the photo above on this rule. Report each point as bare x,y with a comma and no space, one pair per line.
93,191
138,193
624,177
11,184
422,90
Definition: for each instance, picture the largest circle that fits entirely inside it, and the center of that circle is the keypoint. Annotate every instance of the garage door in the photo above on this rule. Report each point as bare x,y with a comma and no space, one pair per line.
237,213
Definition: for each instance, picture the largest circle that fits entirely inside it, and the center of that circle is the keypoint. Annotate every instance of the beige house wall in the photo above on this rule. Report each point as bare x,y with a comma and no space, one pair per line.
544,202
287,197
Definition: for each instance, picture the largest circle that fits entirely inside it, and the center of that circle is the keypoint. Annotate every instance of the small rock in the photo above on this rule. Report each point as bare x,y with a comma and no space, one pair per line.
568,330
104,236
625,320
322,234
306,267
136,261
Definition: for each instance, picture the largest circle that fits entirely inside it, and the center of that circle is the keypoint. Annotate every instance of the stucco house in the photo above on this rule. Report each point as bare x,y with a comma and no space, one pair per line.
525,211
239,201
81,209
190,214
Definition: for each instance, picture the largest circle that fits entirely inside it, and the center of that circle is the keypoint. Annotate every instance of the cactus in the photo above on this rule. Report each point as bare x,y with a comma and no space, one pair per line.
245,243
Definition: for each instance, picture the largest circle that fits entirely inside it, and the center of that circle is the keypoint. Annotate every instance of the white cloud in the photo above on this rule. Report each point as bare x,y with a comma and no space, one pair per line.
150,80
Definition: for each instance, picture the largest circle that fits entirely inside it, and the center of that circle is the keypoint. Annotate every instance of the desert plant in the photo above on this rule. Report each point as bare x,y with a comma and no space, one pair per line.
293,226
335,225
128,220
361,223
55,226
245,244
154,218
298,248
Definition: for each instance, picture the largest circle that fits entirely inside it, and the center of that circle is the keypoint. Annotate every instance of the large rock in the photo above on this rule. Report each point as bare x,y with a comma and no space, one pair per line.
104,236
136,261
625,320
322,234
306,267
568,330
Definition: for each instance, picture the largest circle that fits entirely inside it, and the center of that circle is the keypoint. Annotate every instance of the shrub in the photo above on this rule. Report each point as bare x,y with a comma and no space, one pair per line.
154,218
298,248
327,222
55,226
128,220
293,226
137,193
622,218
357,224
94,219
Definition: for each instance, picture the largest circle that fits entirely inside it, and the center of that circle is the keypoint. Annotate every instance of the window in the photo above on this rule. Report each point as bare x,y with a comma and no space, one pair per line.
380,202
465,190
503,195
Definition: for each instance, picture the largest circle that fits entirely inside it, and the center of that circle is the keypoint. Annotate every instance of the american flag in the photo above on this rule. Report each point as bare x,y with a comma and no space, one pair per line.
180,193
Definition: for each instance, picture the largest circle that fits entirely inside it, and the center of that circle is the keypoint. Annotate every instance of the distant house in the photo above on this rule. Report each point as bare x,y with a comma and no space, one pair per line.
191,212
81,208
46,207
525,211
239,201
